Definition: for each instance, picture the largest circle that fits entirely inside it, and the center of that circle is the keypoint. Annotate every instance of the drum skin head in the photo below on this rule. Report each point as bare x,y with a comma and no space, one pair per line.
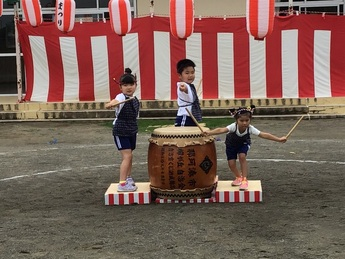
180,136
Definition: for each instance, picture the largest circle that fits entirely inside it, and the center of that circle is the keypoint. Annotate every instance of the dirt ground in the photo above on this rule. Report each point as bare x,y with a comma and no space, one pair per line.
53,177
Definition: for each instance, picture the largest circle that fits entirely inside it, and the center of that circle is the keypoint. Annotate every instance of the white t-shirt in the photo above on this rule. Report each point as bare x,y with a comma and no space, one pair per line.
252,130
184,99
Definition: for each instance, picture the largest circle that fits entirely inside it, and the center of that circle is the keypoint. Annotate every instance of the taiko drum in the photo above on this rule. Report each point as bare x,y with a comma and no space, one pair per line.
182,163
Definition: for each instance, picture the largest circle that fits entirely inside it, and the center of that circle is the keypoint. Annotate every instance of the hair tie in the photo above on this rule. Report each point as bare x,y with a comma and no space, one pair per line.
242,110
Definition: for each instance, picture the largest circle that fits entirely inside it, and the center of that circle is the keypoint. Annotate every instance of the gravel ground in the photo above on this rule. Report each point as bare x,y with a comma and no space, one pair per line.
53,177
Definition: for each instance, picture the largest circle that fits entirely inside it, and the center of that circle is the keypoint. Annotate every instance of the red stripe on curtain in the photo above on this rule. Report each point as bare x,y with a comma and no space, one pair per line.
85,66
306,85
116,68
274,84
337,59
146,59
209,65
56,75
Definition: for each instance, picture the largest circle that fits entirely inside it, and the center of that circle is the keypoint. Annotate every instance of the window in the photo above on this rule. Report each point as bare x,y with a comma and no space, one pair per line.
311,6
86,3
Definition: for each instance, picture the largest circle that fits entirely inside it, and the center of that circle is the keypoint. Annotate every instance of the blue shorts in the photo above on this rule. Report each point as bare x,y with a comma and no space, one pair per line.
127,142
184,121
232,152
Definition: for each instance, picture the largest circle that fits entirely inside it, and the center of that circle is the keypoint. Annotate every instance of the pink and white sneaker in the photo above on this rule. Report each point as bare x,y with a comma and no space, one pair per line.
244,185
237,181
130,180
126,187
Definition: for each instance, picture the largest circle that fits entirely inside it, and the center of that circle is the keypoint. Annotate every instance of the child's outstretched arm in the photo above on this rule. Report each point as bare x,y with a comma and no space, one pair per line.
182,87
270,136
111,104
216,131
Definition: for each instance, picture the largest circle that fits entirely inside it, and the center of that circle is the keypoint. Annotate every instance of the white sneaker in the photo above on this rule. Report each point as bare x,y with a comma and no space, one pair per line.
126,188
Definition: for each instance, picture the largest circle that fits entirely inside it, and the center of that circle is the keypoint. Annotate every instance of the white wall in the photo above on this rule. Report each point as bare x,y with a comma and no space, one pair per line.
201,7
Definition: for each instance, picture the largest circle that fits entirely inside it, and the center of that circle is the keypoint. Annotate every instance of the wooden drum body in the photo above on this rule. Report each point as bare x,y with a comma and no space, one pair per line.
182,164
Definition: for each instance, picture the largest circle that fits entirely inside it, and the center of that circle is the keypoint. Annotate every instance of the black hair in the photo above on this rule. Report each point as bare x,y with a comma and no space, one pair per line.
242,110
127,77
183,63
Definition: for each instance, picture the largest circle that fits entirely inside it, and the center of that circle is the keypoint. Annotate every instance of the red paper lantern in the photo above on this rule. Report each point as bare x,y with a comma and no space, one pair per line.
65,15
181,18
32,12
259,18
120,16
1,7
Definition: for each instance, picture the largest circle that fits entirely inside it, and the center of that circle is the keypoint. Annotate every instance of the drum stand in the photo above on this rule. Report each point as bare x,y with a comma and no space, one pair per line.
223,192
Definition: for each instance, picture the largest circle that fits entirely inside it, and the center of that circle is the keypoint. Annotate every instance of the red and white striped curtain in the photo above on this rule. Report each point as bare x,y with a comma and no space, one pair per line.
181,18
260,18
65,15
32,12
1,6
120,16
302,58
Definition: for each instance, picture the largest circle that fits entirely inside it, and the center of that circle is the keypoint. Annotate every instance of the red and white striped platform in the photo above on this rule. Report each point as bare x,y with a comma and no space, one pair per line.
224,193
141,196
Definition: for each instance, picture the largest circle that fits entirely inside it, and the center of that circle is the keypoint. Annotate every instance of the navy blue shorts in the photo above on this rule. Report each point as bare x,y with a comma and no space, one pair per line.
232,152
184,121
127,142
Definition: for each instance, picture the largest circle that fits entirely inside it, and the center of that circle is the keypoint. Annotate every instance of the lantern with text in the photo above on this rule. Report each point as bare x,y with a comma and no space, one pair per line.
32,12
1,7
259,18
65,15
120,16
181,18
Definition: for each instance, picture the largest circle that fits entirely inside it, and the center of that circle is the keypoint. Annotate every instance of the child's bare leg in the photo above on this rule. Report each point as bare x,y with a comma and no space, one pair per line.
242,158
126,164
233,167
129,171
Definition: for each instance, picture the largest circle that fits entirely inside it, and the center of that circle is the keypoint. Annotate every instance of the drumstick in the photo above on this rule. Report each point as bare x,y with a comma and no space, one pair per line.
124,101
293,128
116,81
127,100
195,121
198,88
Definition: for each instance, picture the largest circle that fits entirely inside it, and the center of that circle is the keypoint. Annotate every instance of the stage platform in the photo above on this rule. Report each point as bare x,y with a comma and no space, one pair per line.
223,193
141,196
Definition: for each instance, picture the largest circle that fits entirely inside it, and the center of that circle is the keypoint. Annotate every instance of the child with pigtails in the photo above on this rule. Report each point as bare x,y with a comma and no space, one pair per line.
125,127
238,143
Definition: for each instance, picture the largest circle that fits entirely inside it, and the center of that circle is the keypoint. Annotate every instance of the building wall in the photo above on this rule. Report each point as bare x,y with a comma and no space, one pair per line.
201,7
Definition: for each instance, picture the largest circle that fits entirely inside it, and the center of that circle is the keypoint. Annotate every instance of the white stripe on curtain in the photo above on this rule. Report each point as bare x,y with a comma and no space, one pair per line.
40,67
194,52
225,48
131,57
257,68
290,63
70,68
322,54
162,65
100,68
